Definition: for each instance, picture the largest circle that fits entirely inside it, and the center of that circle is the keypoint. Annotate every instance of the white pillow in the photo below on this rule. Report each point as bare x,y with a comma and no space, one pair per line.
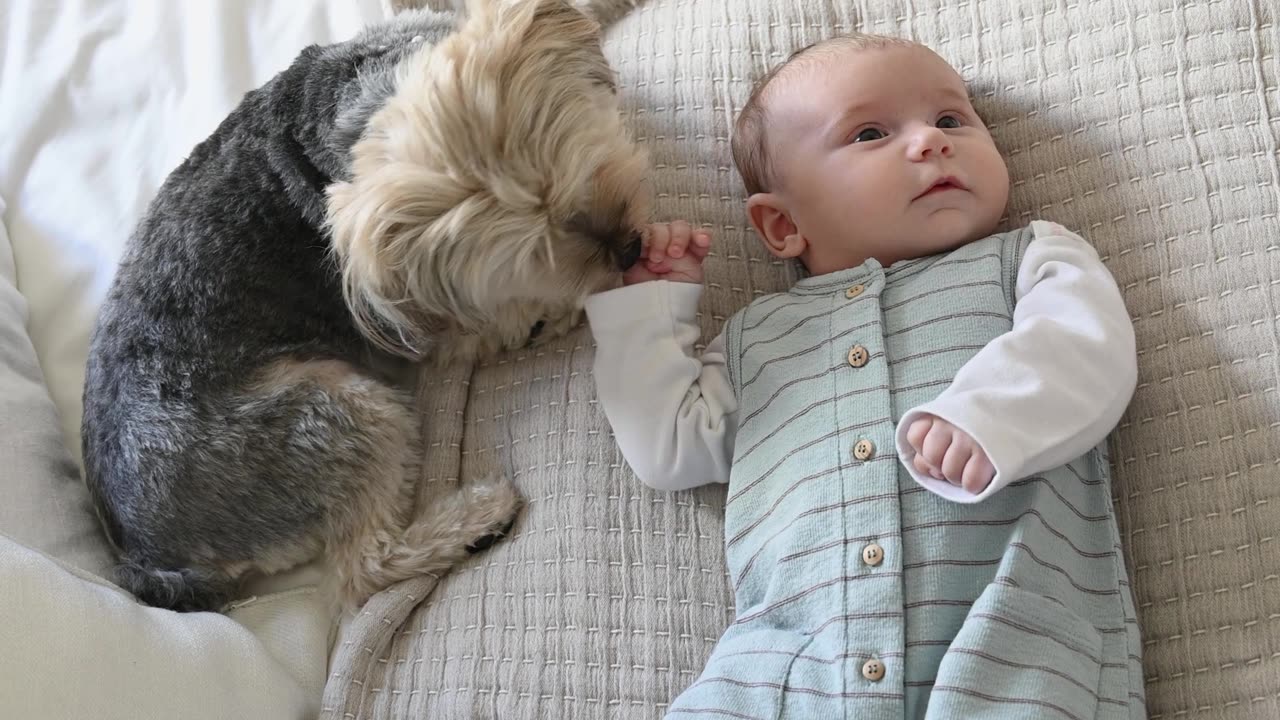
45,505
77,647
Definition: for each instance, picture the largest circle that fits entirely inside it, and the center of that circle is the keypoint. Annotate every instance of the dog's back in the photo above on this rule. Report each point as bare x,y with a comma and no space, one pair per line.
230,271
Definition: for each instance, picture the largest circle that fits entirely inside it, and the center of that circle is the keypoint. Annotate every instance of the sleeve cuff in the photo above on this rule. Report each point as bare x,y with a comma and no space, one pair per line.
646,301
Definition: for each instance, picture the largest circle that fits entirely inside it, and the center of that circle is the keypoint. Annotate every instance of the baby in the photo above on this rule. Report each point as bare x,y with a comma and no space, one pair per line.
919,520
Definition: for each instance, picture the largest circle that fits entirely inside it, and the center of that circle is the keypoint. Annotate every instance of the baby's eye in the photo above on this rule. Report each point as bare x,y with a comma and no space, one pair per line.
868,135
949,122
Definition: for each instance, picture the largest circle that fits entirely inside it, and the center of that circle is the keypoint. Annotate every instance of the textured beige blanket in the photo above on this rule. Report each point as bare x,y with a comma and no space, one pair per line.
1151,127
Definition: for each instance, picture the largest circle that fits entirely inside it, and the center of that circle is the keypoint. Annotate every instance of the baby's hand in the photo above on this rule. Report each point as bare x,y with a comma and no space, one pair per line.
945,452
671,252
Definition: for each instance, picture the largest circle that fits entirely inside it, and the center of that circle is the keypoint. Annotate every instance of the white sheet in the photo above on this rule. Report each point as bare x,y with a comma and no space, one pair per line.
99,100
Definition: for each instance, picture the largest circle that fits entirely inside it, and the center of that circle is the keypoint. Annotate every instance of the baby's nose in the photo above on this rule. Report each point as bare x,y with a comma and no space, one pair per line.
930,142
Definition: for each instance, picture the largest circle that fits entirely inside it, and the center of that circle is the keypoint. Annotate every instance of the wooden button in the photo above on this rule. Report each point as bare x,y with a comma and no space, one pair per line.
873,670
858,356
873,554
854,291
864,449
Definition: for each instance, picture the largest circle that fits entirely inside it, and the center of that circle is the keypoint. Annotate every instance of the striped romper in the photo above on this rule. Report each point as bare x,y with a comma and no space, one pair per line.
863,591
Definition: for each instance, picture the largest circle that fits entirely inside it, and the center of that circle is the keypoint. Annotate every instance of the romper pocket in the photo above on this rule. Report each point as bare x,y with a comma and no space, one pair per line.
1019,655
744,677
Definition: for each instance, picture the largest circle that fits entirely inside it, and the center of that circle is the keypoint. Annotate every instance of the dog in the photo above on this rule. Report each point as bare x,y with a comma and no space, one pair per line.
439,188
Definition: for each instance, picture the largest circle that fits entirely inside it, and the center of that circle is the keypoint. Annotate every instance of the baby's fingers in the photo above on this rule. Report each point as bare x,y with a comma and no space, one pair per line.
680,235
924,467
917,432
956,460
701,244
659,240
978,472
936,443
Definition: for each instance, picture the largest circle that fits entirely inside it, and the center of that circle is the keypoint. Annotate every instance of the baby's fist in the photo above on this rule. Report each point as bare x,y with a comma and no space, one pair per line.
671,251
945,452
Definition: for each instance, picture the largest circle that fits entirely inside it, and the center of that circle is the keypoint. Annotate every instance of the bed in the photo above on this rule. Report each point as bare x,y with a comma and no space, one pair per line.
1151,127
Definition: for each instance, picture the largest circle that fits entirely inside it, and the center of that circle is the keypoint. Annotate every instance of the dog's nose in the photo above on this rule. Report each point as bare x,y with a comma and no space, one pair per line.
631,254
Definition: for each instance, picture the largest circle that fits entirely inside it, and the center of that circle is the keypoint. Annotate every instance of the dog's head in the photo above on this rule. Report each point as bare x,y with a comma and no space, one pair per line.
496,185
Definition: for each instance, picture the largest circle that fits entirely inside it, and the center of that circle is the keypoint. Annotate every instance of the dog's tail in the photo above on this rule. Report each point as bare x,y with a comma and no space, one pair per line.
182,589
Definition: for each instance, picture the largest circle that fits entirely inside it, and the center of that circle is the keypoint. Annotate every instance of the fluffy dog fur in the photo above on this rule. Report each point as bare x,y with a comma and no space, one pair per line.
603,11
423,192
475,183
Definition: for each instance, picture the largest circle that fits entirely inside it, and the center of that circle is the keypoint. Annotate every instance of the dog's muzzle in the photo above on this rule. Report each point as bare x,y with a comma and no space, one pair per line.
631,254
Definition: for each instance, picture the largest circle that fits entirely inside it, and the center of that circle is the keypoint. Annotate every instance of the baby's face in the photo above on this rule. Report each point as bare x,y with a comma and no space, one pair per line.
879,154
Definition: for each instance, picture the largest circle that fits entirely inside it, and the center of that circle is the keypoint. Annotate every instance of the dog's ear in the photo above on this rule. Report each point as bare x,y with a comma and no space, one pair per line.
559,27
546,32
384,227
601,12
533,22
559,11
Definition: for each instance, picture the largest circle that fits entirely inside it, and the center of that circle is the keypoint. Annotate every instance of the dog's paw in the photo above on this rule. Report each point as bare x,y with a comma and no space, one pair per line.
484,542
491,508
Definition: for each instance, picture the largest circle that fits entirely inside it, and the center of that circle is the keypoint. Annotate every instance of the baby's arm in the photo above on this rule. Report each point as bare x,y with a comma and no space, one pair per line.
1040,395
673,413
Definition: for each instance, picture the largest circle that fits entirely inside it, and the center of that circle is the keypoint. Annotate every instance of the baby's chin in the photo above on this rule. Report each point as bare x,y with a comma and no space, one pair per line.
950,229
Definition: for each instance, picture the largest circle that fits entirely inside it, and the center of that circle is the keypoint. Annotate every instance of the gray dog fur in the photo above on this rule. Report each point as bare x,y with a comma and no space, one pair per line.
237,419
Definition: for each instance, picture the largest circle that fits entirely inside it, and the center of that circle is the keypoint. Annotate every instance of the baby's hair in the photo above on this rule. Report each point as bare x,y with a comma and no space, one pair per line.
749,144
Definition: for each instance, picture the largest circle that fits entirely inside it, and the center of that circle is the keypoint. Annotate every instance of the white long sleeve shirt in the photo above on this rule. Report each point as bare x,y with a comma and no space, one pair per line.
1034,398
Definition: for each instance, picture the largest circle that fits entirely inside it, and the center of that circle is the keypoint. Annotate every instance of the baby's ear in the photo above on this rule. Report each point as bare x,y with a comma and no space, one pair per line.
769,216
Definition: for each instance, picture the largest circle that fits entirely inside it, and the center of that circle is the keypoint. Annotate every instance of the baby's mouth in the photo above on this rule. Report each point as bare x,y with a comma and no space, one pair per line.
942,184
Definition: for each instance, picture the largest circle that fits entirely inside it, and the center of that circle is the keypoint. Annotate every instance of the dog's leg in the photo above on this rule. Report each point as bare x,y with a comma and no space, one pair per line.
365,440
352,444
257,481
463,521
